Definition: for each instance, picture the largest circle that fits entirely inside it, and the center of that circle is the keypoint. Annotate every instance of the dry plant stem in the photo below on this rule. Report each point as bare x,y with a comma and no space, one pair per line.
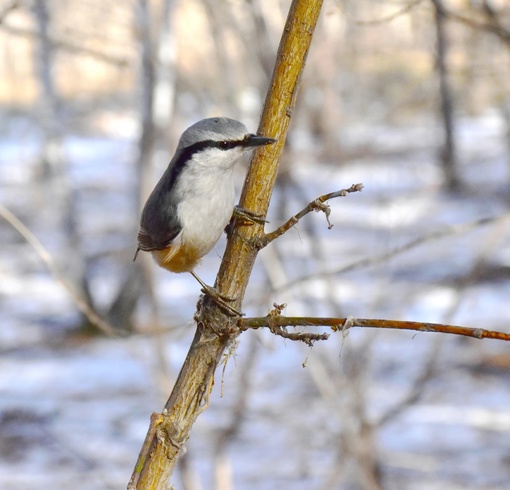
272,321
45,256
169,430
215,331
241,249
316,205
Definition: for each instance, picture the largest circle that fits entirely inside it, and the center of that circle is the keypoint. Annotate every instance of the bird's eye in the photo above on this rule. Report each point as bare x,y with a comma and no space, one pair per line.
224,144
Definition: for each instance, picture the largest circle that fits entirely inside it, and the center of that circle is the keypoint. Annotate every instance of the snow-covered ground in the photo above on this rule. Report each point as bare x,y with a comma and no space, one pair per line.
74,409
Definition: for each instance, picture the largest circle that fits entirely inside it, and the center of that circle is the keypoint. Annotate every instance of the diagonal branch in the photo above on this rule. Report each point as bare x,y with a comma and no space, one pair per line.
405,9
65,45
377,259
215,332
78,299
318,204
491,26
7,9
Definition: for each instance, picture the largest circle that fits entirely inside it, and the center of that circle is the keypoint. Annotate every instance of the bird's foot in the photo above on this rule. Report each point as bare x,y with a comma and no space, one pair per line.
249,217
245,217
221,300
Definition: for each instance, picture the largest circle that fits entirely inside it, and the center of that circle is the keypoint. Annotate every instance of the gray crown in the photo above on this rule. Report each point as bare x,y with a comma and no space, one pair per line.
215,129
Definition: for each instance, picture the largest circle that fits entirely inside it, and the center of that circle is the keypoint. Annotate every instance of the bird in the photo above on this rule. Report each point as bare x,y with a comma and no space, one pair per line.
193,202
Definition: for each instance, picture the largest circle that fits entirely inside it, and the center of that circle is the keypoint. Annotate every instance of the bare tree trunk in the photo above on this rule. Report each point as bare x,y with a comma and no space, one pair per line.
492,16
139,278
262,41
505,111
53,159
448,151
227,82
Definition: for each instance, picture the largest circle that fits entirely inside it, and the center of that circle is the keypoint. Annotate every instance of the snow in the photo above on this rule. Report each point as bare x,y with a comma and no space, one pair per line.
74,409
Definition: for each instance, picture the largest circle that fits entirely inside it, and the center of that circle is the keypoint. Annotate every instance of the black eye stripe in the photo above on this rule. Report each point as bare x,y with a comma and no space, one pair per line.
222,145
227,145
187,154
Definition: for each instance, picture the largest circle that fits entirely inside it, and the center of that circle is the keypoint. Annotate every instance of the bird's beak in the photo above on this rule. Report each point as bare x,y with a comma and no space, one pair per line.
254,140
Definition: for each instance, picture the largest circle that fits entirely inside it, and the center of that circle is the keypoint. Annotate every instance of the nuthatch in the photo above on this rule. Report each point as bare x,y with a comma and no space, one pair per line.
192,203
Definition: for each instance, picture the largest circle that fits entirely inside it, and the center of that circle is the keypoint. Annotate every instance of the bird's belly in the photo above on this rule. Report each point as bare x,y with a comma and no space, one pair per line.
204,220
180,258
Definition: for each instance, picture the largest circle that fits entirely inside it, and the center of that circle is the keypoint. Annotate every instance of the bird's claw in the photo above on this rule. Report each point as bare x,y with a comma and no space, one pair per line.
249,217
221,300
244,217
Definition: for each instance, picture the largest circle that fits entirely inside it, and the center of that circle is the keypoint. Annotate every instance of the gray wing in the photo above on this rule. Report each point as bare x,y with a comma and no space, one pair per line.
159,224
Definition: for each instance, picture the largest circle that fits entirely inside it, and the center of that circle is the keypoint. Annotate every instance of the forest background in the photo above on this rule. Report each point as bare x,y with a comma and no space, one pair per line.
410,98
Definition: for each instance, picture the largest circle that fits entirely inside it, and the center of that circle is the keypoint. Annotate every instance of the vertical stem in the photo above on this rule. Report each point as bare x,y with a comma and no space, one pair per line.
53,160
239,257
168,434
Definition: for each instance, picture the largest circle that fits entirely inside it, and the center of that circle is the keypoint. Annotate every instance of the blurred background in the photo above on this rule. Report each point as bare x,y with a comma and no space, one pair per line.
411,98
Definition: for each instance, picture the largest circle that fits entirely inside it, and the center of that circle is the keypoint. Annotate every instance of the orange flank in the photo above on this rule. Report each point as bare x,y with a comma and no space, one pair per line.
177,259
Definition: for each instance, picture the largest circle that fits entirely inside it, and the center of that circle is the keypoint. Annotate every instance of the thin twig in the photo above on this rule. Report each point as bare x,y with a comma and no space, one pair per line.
494,28
388,18
377,259
318,204
45,256
7,9
69,46
342,324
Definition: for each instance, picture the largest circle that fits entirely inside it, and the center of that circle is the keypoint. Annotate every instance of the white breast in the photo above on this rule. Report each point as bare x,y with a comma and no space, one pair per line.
207,196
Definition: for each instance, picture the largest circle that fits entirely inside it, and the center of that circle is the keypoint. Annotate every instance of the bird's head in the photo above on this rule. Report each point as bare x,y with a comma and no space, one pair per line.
219,142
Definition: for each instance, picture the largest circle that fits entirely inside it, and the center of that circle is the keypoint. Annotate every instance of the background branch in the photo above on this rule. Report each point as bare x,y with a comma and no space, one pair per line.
68,46
80,302
377,259
491,27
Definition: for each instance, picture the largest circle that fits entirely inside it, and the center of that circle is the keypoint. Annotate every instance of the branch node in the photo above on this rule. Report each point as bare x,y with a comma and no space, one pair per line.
350,321
319,205
426,328
258,242
273,318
